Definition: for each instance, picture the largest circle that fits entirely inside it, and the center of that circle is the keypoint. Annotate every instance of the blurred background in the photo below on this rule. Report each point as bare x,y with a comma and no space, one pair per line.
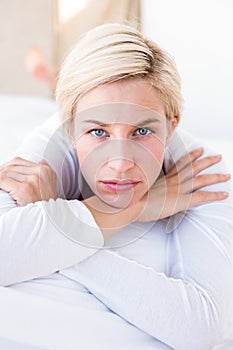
198,34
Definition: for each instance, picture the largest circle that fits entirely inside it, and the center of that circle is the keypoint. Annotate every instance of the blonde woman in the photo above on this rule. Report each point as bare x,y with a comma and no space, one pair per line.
121,201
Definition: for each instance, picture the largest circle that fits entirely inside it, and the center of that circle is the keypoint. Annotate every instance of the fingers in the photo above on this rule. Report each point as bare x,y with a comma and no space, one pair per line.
198,166
205,163
31,178
188,165
192,169
204,196
18,161
186,160
210,179
8,184
43,162
25,167
22,169
28,182
204,180
21,191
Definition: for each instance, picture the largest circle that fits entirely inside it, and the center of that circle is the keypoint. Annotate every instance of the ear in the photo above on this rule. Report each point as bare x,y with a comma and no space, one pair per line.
170,128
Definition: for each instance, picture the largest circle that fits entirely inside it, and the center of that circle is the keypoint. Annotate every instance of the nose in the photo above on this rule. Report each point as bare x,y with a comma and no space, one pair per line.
120,165
121,156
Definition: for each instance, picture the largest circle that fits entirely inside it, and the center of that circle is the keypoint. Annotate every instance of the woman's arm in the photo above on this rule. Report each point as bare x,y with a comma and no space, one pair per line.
41,238
50,143
106,294
21,172
188,306
174,192
33,240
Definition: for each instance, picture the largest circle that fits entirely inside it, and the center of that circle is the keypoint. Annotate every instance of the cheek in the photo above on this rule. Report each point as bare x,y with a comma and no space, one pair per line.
82,154
158,153
153,166
83,149
89,159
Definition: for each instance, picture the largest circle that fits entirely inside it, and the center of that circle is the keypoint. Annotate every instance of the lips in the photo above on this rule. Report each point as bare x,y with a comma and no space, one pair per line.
117,185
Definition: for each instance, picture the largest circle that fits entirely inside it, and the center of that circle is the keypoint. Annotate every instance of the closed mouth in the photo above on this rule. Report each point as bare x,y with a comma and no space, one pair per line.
117,185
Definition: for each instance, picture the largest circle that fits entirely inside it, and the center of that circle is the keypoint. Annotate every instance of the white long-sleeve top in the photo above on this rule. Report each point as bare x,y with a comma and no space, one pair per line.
172,278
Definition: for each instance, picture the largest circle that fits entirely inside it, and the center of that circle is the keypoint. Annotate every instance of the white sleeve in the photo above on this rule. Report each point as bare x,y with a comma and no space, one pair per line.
6,202
41,238
186,308
49,142
189,306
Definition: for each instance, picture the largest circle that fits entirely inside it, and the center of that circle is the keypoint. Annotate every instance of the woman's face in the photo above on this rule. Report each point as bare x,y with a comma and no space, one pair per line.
120,136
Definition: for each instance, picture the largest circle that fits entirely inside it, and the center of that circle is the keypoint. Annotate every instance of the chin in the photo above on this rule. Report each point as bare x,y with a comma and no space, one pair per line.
119,201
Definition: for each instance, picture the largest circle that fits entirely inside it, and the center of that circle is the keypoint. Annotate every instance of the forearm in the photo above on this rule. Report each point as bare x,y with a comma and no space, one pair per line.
36,241
187,306
173,311
6,202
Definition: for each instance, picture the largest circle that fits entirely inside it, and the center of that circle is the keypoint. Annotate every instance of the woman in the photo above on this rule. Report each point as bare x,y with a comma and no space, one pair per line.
120,101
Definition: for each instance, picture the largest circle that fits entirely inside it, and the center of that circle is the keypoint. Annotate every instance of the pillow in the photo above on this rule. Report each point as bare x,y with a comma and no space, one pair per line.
224,147
19,115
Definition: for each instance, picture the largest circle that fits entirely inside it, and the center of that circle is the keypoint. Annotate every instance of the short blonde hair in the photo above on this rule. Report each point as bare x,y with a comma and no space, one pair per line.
112,52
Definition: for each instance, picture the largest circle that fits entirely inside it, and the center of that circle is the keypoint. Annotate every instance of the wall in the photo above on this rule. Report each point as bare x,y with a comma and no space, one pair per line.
52,25
24,23
198,34
75,17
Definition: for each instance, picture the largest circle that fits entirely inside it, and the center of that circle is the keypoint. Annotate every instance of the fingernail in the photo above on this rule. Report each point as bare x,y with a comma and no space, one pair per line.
228,176
225,194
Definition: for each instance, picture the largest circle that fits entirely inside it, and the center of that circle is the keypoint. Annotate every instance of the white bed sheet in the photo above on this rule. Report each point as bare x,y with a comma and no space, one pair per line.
56,313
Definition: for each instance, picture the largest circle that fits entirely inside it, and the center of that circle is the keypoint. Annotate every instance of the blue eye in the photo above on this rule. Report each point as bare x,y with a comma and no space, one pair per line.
142,131
98,132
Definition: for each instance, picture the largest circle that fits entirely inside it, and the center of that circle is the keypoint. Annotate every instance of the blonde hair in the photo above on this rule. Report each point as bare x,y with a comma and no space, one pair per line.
112,52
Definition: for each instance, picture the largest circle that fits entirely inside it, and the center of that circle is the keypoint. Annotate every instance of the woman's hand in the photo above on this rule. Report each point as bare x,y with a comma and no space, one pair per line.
28,182
175,191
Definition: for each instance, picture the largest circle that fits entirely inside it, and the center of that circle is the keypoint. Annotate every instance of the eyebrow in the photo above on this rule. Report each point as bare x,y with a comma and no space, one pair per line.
142,123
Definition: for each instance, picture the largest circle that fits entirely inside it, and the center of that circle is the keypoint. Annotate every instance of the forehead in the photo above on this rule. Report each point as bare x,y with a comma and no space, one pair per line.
136,91
123,113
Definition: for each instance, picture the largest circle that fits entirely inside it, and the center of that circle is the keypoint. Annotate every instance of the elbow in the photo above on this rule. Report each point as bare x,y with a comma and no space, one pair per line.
195,322
196,335
204,337
202,326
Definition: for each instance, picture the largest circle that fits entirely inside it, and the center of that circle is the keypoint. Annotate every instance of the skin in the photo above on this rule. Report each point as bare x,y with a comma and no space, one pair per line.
127,145
93,143
123,147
